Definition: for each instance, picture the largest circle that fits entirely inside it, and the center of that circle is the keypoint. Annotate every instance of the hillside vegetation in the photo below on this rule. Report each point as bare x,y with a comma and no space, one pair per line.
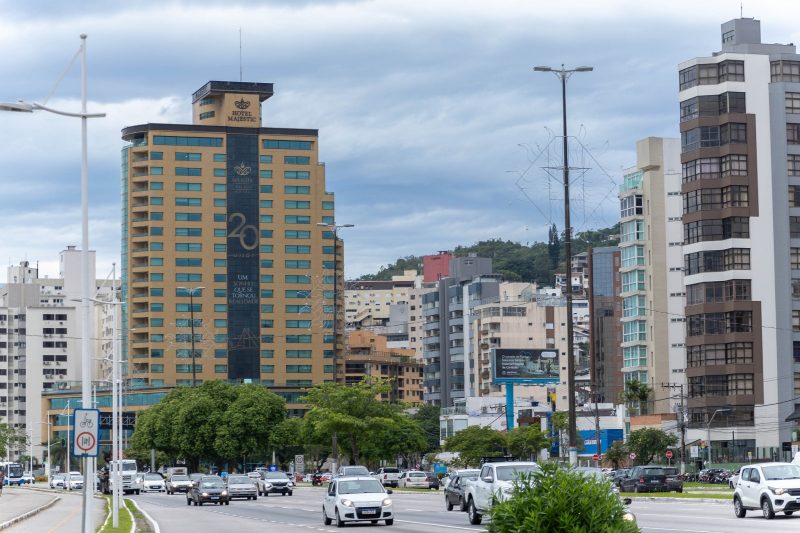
514,261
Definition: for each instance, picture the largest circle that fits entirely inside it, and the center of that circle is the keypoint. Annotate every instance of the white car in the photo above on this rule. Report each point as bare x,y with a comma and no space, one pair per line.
153,482
357,499
57,481
413,479
770,487
75,481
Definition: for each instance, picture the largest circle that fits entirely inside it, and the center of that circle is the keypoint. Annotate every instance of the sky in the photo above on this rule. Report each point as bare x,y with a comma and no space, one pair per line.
435,130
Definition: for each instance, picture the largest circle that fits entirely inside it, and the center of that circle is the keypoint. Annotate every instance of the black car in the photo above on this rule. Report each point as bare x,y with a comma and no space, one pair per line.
674,481
648,478
209,489
433,480
618,475
454,491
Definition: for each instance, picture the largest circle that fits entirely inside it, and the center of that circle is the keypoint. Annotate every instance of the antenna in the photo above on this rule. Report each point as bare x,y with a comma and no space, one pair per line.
240,53
741,9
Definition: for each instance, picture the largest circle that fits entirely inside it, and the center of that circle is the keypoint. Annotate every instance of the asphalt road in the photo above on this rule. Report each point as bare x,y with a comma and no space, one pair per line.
422,512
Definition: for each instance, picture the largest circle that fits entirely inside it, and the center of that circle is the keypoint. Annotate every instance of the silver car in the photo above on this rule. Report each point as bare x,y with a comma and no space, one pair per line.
240,486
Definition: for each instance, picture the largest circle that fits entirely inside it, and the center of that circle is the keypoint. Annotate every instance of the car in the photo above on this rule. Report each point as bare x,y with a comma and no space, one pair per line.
357,499
58,481
495,483
196,477
433,480
240,486
645,478
316,478
454,491
734,479
275,483
674,481
254,475
618,475
178,483
28,478
208,489
75,481
413,479
153,482
388,475
354,470
771,487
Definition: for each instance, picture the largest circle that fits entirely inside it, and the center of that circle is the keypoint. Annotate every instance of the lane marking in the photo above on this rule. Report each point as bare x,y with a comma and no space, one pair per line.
440,525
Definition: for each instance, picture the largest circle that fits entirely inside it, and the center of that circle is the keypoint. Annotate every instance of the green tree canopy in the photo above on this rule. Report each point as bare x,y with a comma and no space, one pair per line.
427,416
287,439
525,442
475,442
10,437
647,443
616,454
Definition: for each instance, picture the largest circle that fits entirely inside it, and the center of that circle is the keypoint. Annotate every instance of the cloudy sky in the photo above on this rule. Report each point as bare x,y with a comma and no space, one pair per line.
434,128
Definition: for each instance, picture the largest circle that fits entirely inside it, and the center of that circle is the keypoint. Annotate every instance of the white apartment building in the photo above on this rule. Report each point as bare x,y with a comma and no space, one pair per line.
367,303
40,343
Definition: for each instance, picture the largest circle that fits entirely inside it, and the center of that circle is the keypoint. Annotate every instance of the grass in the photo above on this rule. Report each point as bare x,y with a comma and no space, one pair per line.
125,520
681,495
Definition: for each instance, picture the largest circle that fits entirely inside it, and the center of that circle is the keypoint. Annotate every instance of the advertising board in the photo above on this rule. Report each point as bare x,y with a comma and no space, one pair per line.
525,365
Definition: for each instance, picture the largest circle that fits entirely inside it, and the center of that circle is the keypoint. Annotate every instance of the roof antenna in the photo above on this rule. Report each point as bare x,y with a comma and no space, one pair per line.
741,9
240,53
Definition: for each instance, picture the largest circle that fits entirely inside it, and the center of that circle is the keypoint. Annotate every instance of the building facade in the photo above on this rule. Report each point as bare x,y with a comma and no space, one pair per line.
369,303
605,328
226,272
740,153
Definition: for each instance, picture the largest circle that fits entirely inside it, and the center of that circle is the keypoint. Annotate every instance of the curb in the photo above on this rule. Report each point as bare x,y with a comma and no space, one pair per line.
153,523
23,516
682,500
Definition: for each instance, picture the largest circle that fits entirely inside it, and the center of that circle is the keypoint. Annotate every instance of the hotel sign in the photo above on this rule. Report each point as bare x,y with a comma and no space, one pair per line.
242,113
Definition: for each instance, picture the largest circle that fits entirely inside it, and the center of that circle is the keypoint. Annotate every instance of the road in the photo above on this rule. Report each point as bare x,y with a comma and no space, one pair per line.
421,512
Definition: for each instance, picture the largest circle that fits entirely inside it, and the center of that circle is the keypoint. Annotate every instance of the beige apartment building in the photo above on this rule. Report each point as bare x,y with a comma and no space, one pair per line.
368,303
226,271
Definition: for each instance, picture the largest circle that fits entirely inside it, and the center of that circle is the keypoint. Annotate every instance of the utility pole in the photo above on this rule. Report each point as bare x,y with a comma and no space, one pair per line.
681,421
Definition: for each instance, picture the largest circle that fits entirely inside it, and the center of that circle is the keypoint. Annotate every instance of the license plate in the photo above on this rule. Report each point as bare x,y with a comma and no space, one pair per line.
653,481
369,511
215,497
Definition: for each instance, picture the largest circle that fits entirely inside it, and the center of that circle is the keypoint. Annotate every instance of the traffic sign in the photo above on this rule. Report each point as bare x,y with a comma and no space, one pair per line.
85,425
595,457
632,456
298,459
669,454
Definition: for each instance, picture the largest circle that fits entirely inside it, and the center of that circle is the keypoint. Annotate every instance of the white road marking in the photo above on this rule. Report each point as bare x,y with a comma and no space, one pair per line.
441,525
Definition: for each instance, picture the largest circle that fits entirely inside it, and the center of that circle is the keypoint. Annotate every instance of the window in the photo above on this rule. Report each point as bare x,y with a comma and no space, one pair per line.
157,155
792,133
731,71
293,293
267,369
714,230
299,309
156,200
298,339
785,71
711,136
703,168
220,247
297,189
794,227
157,307
220,187
296,160
298,354
156,246
297,263
634,306
792,103
297,249
794,258
188,247
633,356
266,263
717,260
156,185
207,114
188,261
185,276
795,320
793,164
265,159
297,204
719,323
156,261
327,205
286,144
631,206
188,217
633,281
632,256
187,369
220,173
266,174
294,278
718,291
631,231
156,171
182,202
635,330
188,232
187,171
265,204
794,196
297,234
220,158
297,219
719,354
296,174
712,106
187,156
298,369
267,308
220,202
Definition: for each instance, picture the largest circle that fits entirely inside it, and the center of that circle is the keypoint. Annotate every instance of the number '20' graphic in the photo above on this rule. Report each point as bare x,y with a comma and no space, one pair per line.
241,231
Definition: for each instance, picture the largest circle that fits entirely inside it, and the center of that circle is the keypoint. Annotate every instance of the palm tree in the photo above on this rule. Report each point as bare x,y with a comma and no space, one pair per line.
636,393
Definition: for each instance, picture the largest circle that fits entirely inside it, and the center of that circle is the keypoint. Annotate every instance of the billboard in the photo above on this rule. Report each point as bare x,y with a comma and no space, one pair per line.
525,365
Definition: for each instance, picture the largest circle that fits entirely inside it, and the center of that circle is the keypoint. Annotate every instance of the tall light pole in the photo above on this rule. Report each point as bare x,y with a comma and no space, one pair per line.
335,228
86,284
708,431
47,464
191,291
563,74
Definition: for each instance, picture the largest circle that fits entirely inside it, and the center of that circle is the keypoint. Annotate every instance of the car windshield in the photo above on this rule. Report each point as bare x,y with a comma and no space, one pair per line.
469,475
239,479
211,484
275,475
152,477
653,471
356,471
781,472
591,473
391,470
180,478
507,473
360,487
671,471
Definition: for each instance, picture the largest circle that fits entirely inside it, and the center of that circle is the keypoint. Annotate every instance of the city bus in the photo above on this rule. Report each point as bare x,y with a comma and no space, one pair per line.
13,472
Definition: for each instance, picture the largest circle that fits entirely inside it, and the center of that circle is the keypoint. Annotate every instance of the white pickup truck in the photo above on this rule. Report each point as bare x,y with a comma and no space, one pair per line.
388,476
495,480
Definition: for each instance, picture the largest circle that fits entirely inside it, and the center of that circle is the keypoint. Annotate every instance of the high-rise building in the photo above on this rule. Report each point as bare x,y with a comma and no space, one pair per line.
649,247
605,329
227,274
740,153
40,348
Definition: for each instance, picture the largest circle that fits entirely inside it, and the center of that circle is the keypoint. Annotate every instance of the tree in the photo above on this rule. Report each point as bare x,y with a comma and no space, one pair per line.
557,499
560,421
10,438
616,454
249,422
427,416
475,442
553,247
648,443
635,394
526,442
287,439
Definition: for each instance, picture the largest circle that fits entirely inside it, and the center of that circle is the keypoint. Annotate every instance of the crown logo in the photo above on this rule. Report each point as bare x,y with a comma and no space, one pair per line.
242,104
242,169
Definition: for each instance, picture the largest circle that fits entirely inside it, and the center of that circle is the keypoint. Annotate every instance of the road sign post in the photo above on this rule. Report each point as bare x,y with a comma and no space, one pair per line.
632,456
85,426
299,464
669,457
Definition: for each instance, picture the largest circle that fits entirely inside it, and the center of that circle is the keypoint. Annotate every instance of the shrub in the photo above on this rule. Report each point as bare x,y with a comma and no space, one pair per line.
560,500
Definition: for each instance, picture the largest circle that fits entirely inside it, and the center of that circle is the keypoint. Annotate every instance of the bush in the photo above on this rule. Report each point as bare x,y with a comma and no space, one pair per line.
560,500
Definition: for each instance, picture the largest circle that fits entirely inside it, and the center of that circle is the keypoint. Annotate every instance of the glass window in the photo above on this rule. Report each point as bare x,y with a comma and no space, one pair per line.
297,204
188,247
297,249
265,204
220,173
785,71
187,171
635,330
266,174
793,164
220,158
188,262
183,201
297,189
286,144
157,155
188,217
186,141
188,156
296,160
792,103
267,159
297,234
327,205
298,369
188,232
794,196
220,187
296,174
297,219
297,263
156,185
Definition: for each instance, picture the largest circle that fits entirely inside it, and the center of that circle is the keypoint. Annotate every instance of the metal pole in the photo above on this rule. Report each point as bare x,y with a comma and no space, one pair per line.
69,458
335,304
114,406
191,314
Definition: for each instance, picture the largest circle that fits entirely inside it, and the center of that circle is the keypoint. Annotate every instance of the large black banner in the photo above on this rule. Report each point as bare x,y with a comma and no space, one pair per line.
243,262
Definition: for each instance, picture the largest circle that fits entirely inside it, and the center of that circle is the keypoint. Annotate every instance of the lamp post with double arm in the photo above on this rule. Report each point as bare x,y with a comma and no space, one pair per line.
191,291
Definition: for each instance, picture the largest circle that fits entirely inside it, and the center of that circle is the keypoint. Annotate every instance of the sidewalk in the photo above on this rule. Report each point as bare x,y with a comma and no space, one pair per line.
18,501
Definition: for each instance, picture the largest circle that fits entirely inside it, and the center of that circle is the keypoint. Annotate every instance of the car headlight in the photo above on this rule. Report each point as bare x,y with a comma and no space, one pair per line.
267,485
777,490
387,501
629,517
224,492
205,494
347,503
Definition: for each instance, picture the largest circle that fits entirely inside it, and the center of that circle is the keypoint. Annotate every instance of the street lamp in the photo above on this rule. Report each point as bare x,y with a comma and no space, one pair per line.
191,291
335,228
86,361
708,430
47,464
564,74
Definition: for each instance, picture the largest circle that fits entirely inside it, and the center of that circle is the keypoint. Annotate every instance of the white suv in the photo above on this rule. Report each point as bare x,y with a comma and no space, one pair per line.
771,487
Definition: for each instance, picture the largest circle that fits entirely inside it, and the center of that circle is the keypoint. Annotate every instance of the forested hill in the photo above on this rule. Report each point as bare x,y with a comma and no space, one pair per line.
517,262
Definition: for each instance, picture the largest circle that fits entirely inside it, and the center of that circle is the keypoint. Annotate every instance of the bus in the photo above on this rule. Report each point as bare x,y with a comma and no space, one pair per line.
13,472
